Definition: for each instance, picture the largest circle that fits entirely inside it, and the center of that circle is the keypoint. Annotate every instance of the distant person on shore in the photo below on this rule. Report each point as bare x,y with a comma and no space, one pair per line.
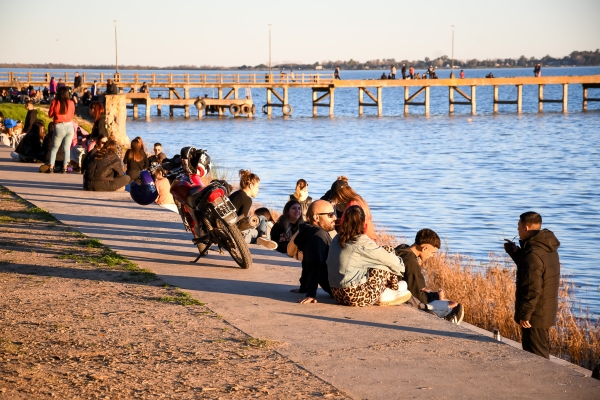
383,76
345,198
242,200
336,73
104,172
537,70
462,74
393,72
62,111
538,280
403,71
111,87
287,225
76,82
30,118
411,72
426,243
99,116
490,75
360,272
301,195
135,160
94,89
313,241
158,155
52,89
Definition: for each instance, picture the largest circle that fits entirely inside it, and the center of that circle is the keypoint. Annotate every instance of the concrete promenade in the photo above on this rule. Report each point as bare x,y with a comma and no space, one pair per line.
374,352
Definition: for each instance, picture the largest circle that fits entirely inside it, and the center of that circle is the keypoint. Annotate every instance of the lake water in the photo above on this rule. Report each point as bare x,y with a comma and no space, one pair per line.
467,177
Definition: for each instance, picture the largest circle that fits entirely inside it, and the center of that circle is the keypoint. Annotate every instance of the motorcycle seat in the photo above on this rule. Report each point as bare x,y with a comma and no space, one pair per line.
196,194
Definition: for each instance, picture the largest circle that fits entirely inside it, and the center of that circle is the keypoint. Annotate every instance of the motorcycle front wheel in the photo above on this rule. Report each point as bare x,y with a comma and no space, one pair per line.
236,245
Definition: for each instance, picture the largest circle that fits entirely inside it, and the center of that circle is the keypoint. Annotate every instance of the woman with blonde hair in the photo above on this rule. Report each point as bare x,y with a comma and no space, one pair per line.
135,160
346,197
301,195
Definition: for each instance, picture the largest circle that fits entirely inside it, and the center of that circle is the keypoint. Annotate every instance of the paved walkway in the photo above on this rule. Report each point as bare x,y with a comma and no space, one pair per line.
374,352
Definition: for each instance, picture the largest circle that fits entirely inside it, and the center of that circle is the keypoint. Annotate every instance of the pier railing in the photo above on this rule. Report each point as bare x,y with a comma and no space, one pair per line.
37,78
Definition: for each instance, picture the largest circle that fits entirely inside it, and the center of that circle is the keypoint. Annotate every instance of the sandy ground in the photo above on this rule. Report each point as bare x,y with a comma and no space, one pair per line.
78,322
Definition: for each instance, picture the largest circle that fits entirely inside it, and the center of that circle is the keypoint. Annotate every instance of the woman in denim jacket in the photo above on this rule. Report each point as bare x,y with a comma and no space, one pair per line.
362,273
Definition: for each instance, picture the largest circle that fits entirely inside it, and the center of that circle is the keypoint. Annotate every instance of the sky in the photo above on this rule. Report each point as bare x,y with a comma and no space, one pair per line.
236,32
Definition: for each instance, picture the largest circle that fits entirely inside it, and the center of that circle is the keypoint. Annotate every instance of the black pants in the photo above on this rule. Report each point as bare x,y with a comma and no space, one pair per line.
535,340
109,186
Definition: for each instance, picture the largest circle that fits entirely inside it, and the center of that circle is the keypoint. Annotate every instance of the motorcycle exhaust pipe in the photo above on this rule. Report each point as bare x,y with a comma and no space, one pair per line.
247,223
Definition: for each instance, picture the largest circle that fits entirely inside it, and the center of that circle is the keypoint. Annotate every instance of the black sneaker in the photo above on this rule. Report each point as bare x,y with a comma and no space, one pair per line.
456,315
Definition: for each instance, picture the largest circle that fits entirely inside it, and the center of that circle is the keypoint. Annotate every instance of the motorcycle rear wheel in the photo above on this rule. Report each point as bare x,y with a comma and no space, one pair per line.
236,245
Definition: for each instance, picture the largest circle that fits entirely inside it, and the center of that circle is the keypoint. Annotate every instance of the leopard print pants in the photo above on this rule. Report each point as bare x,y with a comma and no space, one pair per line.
368,293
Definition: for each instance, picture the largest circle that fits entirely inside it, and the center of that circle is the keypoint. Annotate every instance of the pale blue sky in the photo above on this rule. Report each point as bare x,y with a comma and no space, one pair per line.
235,32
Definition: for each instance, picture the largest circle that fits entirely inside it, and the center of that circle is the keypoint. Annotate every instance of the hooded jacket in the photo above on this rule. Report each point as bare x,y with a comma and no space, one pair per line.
104,169
538,278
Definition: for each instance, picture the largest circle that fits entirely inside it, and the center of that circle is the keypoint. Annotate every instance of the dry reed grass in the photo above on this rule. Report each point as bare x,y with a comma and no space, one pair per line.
488,292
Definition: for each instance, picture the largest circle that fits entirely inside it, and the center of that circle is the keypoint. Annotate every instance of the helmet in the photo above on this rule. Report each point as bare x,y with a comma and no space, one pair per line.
146,192
195,162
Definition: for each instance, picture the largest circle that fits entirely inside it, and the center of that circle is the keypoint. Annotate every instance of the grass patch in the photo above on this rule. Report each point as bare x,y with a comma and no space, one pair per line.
181,298
261,343
41,213
19,112
90,243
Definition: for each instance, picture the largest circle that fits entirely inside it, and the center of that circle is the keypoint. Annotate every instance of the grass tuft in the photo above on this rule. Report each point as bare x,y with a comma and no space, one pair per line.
181,298
90,243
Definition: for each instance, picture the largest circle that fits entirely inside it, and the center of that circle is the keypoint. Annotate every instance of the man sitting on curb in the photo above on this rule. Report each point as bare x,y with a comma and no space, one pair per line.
313,241
427,242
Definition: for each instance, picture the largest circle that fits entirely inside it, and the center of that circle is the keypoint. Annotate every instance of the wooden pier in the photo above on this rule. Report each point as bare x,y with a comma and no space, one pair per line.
277,86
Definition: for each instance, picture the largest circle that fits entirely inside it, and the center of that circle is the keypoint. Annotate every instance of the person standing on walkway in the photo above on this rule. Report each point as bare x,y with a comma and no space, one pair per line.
94,89
76,82
62,111
336,73
538,279
393,72
462,74
313,241
403,71
30,118
411,72
52,89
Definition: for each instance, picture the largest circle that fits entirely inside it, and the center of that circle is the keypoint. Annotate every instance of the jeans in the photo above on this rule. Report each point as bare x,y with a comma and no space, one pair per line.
251,234
63,134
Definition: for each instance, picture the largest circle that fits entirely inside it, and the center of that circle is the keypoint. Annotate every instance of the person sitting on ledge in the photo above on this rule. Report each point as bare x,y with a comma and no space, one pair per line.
242,200
30,148
287,225
104,173
346,197
427,242
313,240
264,211
301,194
361,273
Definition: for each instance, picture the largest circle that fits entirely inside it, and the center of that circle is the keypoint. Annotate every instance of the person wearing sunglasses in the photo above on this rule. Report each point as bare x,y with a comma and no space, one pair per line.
313,241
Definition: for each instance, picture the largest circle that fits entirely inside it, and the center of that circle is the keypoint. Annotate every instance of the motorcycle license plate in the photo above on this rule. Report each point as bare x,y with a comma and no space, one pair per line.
225,208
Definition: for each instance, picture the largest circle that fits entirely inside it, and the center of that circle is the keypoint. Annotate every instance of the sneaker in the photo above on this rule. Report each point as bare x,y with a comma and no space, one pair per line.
391,297
456,315
269,244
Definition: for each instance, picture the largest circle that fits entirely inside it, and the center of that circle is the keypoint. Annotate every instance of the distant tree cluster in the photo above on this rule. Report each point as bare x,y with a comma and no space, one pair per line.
576,58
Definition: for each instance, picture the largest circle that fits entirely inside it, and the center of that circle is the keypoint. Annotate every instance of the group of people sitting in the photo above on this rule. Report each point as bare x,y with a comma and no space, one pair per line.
335,239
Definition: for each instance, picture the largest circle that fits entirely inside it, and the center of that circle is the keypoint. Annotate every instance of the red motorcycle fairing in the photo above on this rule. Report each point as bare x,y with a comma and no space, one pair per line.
180,191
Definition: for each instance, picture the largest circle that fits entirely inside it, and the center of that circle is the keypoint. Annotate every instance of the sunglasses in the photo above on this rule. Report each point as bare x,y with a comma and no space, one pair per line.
330,214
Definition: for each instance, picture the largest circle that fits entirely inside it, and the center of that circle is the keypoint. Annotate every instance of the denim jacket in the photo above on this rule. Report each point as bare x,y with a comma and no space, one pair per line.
349,266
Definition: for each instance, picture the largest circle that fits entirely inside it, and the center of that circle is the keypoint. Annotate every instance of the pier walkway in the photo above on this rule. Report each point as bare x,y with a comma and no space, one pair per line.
277,86
373,352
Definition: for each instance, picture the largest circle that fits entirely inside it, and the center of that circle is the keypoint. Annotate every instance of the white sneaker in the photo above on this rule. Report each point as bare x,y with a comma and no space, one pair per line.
391,297
269,244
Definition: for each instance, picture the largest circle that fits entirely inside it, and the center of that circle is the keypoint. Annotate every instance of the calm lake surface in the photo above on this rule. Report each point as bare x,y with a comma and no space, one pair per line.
467,177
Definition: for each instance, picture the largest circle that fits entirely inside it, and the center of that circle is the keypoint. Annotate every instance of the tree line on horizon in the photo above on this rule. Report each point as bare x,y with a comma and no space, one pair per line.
576,58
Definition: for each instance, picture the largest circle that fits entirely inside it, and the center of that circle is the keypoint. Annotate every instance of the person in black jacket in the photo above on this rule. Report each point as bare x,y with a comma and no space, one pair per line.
538,278
30,118
76,81
111,87
287,225
104,173
97,112
313,241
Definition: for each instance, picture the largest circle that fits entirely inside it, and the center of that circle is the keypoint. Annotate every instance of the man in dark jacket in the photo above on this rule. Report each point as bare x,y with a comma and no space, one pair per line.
111,87
76,81
313,241
30,118
538,278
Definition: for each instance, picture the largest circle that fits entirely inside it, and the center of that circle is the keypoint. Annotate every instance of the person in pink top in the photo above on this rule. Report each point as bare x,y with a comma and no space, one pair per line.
52,88
62,110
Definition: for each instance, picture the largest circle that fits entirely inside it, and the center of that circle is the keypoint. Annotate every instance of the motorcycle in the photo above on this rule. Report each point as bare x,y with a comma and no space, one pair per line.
206,211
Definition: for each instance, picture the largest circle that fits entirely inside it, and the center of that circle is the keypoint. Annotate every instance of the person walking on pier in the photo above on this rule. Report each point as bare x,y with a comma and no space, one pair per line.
538,279
403,71
393,72
336,73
